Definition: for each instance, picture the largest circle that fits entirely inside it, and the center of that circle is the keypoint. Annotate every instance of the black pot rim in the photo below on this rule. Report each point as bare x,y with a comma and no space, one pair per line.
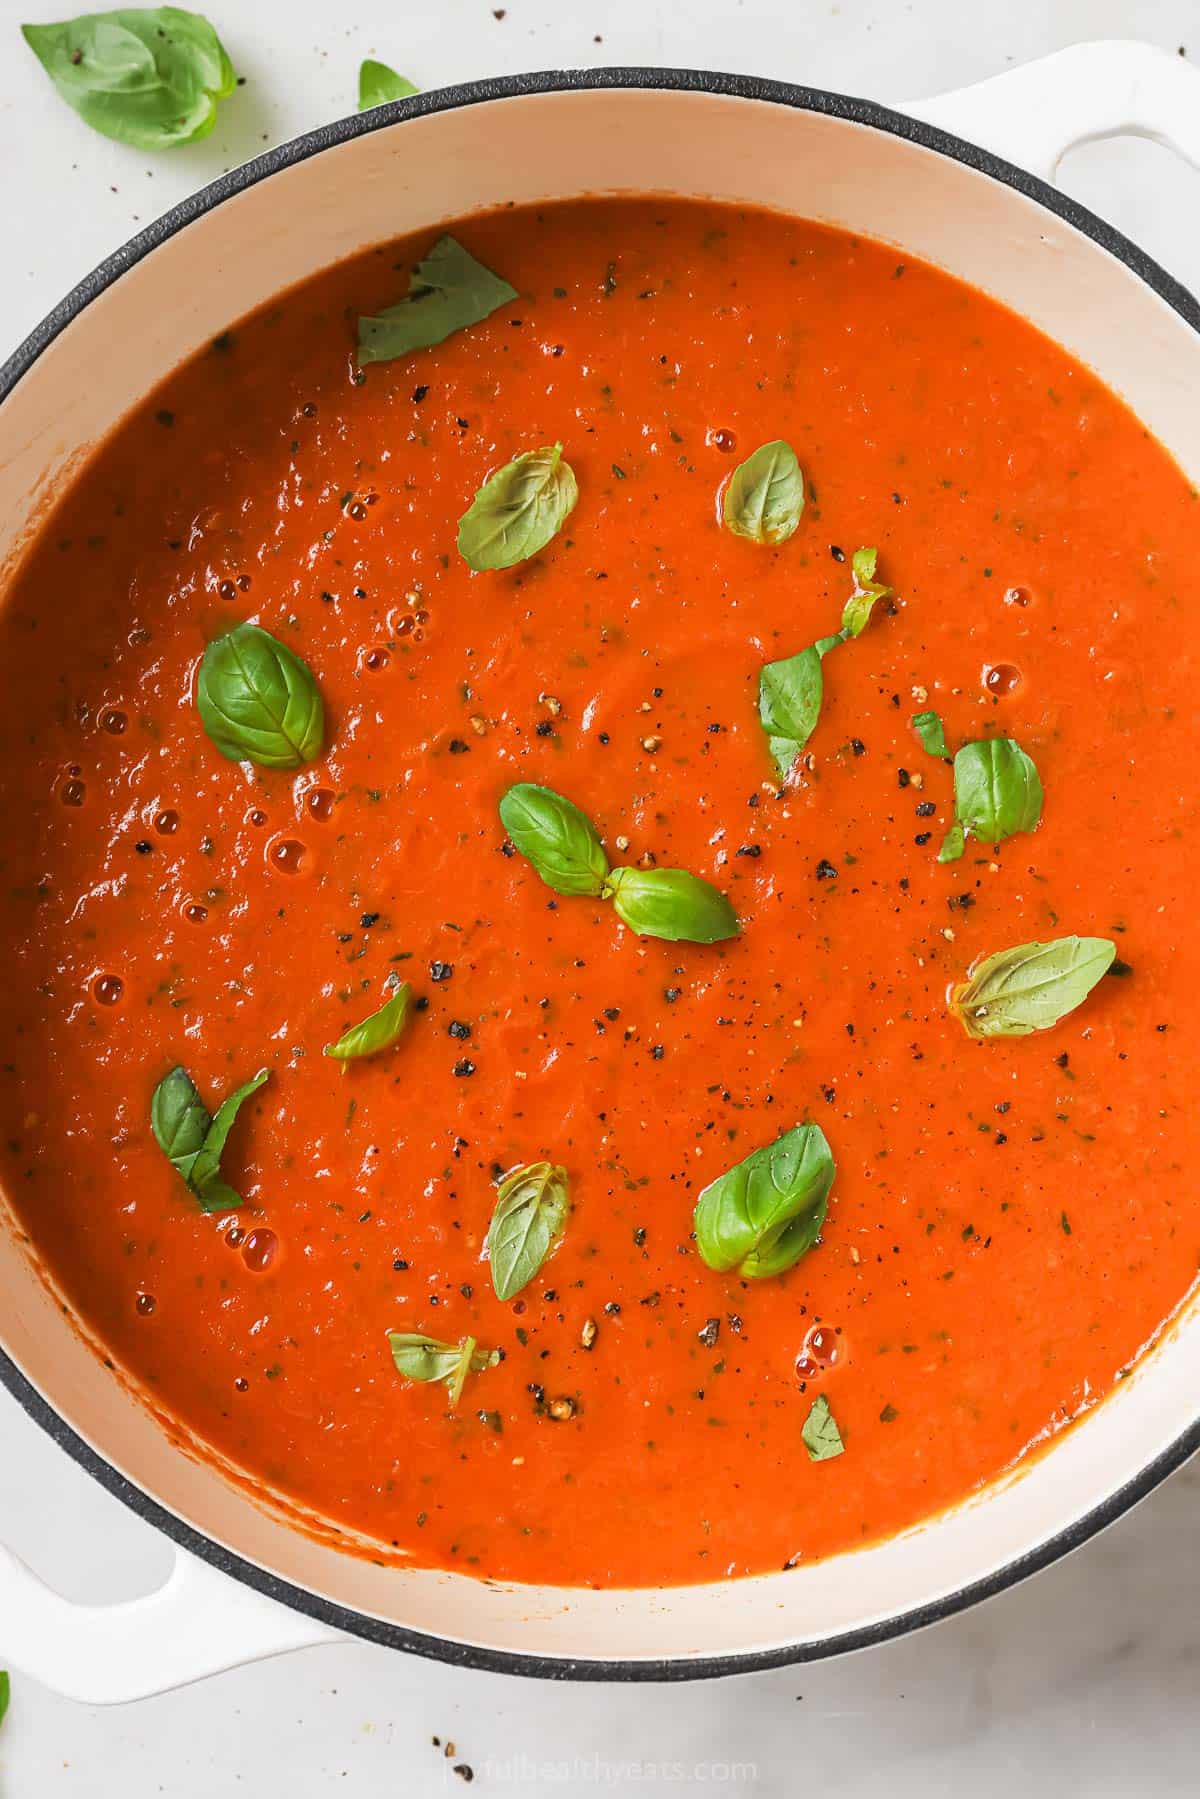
341,1618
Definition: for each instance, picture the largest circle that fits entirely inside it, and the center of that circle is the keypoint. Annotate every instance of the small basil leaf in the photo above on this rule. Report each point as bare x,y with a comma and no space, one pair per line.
147,76
822,1438
518,510
448,290
377,84
418,1357
789,703
930,729
857,610
953,844
554,835
1030,988
213,1193
670,903
767,1211
531,1211
765,495
5,1693
258,701
376,1033
180,1120
997,791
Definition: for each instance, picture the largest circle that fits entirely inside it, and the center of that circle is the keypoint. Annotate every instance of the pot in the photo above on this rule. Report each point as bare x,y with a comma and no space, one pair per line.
248,1583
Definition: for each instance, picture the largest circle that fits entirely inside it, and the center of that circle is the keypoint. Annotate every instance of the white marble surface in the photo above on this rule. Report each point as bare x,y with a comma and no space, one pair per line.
1084,1679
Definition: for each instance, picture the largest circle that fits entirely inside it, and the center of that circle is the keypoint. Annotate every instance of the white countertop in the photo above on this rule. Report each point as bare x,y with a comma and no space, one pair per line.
1085,1678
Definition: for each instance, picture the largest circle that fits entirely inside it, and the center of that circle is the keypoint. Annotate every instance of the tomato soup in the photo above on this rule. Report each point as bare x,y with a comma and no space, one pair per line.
998,1221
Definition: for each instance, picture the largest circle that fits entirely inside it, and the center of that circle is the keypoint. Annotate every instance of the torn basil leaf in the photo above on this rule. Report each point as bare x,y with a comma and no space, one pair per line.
531,1211
258,701
997,792
671,903
422,1358
1031,987
789,704
448,290
767,1211
765,495
376,1033
146,76
556,837
932,733
518,510
377,84
857,611
821,1436
193,1140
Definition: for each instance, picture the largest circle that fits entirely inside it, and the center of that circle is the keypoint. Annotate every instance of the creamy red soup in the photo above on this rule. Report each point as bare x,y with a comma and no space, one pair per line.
993,1225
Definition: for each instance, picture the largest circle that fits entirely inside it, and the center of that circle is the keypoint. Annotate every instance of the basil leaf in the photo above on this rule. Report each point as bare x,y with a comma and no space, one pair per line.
1030,988
997,791
376,1033
5,1693
953,844
858,608
147,76
765,495
789,703
670,903
180,1120
822,1438
258,702
531,1211
930,729
447,291
767,1211
418,1357
215,1194
518,510
377,84
554,835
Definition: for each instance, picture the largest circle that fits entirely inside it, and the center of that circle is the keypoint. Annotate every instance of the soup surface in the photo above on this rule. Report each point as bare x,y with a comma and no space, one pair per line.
1011,1221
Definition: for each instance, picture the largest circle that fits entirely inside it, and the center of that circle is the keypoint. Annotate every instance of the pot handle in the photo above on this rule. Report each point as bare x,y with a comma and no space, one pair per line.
199,1622
1032,116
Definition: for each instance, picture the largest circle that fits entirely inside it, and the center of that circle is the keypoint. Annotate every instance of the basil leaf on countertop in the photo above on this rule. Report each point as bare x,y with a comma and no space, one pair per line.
857,611
531,1211
1030,988
448,290
418,1357
146,76
518,510
376,1033
192,1140
671,903
258,701
932,733
997,792
767,1211
789,704
556,837
765,495
377,84
822,1438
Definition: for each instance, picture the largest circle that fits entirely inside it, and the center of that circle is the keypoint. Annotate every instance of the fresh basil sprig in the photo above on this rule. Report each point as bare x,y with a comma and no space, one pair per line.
376,1033
377,84
531,1211
821,1436
147,76
554,835
562,844
448,290
932,733
767,1211
856,613
997,792
764,498
418,1357
258,701
518,510
672,904
193,1141
1031,987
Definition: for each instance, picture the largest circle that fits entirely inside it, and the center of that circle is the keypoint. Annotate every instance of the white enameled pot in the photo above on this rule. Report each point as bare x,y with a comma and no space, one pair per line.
246,1583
